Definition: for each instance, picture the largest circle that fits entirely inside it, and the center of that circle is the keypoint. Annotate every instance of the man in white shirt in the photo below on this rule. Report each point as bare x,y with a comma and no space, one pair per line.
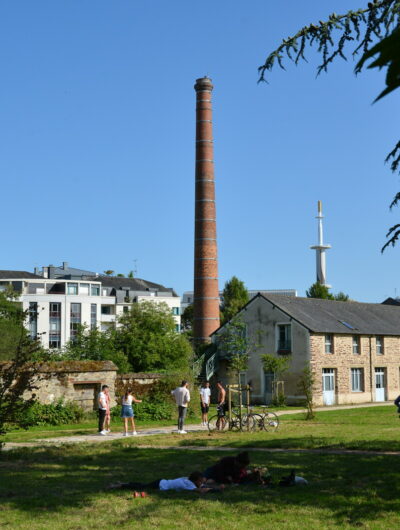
182,398
102,403
205,396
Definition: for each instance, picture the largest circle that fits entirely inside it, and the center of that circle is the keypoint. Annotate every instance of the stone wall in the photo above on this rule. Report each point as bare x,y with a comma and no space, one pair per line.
139,383
77,381
342,359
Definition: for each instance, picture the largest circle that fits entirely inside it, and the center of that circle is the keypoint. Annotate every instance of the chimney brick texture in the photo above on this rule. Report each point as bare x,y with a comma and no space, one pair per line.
206,293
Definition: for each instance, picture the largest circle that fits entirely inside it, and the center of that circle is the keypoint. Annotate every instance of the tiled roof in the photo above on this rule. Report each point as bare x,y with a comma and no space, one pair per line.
133,284
18,275
329,316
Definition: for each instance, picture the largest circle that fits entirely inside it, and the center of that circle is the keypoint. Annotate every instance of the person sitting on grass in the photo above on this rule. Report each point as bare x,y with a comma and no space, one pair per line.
194,482
230,469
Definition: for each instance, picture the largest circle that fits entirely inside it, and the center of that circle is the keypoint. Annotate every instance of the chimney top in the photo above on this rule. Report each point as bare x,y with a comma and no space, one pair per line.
203,83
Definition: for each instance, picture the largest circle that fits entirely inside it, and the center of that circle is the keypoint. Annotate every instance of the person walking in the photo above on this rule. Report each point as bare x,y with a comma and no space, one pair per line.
182,398
221,406
205,396
102,404
127,411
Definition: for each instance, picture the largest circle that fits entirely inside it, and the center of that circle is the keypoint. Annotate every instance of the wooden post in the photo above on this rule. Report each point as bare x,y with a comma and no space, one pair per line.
229,406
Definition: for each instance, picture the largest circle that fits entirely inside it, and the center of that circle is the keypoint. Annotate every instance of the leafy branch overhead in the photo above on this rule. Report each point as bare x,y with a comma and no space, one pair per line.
374,31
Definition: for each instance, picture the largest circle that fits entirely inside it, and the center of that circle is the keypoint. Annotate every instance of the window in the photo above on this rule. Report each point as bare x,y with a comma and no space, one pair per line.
357,380
328,344
125,309
72,288
75,320
93,316
95,290
33,314
284,338
175,310
177,328
107,310
55,325
356,345
84,288
379,345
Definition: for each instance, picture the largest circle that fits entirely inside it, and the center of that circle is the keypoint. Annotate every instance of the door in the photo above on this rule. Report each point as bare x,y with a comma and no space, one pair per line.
380,384
328,386
268,387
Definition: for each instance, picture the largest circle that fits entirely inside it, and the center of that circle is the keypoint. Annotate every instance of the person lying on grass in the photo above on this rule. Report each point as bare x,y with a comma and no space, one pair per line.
194,482
230,469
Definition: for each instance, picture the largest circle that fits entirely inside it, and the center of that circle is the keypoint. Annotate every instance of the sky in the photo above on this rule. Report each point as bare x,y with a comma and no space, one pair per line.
97,130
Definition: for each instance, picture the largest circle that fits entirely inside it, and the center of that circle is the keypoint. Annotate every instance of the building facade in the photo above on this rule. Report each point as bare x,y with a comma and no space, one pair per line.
353,349
56,307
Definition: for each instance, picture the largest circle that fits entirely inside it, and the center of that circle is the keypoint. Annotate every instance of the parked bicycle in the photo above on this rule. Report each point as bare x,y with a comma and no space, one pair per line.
253,421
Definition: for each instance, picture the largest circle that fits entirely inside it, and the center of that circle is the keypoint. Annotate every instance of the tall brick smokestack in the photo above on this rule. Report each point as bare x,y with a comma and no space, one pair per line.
206,295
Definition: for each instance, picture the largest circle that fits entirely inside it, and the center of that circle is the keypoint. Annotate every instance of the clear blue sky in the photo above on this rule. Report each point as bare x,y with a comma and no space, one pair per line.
97,144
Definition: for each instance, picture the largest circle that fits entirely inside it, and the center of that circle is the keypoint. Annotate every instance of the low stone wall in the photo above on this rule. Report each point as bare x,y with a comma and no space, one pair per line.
139,383
77,381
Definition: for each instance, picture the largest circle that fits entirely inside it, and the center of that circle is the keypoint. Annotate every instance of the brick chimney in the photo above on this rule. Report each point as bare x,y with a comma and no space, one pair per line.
206,294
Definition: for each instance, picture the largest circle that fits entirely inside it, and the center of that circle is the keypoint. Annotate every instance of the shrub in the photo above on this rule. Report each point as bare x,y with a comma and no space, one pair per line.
57,413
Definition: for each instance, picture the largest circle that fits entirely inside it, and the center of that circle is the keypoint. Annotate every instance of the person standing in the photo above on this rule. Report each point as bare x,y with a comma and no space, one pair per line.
182,398
221,406
107,419
102,404
205,396
127,411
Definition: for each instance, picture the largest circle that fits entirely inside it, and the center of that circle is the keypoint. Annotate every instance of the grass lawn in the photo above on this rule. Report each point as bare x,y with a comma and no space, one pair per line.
373,429
63,488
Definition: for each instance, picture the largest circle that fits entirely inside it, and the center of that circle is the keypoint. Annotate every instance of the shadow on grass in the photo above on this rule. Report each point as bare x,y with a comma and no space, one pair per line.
347,489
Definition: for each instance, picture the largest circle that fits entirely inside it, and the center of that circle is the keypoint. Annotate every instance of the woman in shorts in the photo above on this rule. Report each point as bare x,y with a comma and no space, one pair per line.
127,411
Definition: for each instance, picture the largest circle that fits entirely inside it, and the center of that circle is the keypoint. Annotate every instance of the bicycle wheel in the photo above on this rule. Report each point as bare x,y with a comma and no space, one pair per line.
271,421
218,423
234,424
258,422
248,422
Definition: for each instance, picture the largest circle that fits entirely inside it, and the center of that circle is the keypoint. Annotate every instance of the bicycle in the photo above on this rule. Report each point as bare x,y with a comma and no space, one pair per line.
270,421
222,423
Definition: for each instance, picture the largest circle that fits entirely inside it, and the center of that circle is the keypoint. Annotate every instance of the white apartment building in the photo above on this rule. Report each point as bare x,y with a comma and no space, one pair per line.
57,306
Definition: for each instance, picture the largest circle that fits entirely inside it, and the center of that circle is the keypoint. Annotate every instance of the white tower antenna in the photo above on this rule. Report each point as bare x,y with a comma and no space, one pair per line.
320,250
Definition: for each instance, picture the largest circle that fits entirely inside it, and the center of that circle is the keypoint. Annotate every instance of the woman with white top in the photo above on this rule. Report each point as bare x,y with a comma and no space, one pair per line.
127,411
205,395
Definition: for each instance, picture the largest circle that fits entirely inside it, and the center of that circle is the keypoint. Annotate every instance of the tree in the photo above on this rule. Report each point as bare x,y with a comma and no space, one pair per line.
380,21
109,272
235,345
148,338
17,373
187,318
277,366
234,297
95,345
317,290
306,386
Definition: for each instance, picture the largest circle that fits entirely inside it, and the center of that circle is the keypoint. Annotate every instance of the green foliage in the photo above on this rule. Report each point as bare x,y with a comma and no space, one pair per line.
362,27
279,399
234,297
17,373
317,290
234,344
58,413
275,365
147,337
95,345
306,387
187,318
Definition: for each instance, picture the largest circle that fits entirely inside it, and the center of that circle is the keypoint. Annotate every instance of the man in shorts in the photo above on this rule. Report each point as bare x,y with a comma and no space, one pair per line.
205,396
221,406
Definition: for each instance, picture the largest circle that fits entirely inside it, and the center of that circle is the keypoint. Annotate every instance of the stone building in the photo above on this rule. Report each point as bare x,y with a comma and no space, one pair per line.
352,348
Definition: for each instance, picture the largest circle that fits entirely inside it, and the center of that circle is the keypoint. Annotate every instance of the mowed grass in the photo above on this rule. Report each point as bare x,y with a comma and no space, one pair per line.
366,429
64,488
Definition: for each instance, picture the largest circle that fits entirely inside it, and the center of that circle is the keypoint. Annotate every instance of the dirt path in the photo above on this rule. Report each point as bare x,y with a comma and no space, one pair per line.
96,438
